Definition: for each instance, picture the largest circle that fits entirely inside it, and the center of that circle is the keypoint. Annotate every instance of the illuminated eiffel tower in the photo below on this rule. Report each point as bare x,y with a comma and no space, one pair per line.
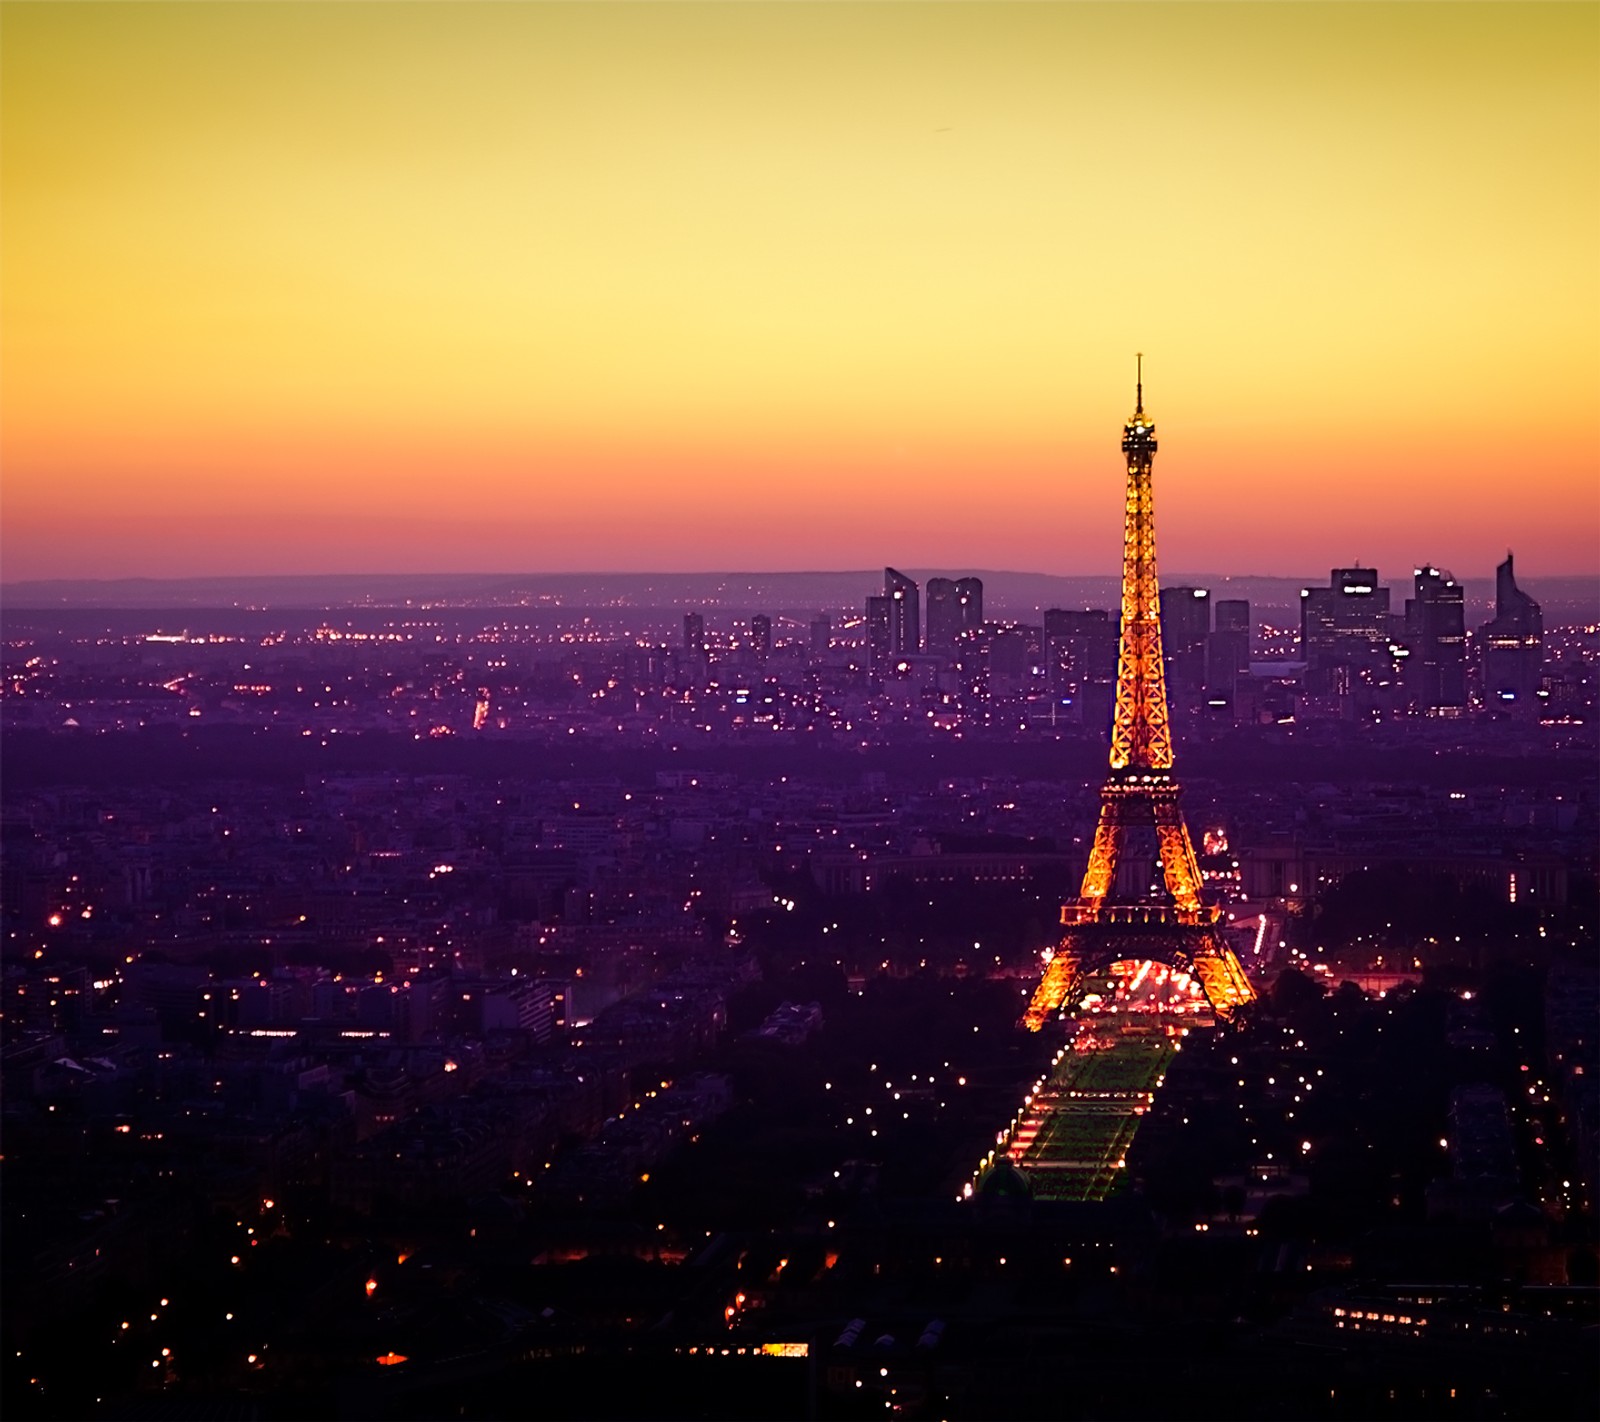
1114,919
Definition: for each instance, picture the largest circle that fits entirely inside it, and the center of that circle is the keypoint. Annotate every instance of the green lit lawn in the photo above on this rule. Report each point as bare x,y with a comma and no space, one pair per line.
1133,1064
1074,1155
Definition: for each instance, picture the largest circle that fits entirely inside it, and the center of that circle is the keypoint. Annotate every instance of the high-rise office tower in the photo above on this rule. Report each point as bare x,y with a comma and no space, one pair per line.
1512,644
1232,615
942,622
1345,624
761,636
954,606
1228,646
821,634
969,598
905,613
880,636
694,633
1436,633
1081,661
1185,625
1015,649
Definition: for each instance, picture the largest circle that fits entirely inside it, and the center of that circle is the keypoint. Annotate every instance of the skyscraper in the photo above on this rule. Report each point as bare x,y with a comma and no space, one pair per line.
1512,644
905,613
694,633
821,634
880,637
1081,662
761,636
954,606
1345,624
1436,635
1233,615
1185,625
1228,646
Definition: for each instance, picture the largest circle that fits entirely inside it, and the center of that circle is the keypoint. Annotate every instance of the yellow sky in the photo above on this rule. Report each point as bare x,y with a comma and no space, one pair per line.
518,286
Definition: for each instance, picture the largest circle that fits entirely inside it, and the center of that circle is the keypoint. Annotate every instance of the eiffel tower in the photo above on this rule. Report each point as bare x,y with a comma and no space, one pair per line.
1114,918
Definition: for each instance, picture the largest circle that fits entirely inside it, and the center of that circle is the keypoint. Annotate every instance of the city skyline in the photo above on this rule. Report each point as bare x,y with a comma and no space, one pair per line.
346,289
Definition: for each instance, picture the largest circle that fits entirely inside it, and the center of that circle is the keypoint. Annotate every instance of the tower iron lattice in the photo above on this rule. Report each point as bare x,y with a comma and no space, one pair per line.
1140,793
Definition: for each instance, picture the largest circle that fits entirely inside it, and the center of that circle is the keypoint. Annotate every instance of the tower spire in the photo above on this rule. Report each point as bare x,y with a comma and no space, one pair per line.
1138,404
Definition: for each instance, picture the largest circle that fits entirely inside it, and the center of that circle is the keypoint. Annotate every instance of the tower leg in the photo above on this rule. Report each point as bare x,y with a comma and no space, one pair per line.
1222,977
1109,834
1055,988
1178,864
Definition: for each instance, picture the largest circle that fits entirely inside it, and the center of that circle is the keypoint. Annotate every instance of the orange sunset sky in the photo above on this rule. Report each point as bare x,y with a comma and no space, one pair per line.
521,287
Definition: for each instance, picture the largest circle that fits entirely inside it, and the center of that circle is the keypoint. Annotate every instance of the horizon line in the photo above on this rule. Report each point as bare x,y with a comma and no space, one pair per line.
68,579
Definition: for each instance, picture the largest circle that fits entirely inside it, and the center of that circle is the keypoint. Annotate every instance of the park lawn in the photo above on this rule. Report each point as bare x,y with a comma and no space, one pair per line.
1081,1137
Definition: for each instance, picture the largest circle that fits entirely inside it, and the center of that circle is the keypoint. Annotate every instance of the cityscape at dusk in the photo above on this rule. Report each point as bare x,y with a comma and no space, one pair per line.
647,771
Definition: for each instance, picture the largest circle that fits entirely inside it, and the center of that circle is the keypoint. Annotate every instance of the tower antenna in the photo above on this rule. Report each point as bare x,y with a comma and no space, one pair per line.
1138,404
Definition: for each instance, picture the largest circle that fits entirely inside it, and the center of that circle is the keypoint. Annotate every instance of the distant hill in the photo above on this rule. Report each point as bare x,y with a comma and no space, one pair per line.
1006,594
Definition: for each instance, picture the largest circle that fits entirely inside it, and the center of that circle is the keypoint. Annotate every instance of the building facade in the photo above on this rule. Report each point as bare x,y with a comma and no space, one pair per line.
905,613
1512,645
955,605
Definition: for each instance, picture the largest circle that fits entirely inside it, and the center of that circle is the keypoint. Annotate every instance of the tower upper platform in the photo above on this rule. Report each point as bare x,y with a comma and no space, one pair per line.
1139,434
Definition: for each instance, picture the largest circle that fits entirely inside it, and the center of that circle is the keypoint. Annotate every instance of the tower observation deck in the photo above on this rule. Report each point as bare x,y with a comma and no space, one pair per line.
1116,916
